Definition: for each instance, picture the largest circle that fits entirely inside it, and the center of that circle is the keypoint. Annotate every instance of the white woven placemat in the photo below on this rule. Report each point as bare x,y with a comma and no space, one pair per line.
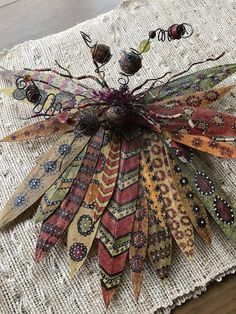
46,288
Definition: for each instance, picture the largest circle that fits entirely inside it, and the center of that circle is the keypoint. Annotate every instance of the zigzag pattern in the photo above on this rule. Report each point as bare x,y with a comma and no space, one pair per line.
117,222
109,178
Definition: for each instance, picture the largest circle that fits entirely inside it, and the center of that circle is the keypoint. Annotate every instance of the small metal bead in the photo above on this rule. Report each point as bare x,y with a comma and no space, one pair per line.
201,222
189,195
27,78
152,34
183,181
177,168
181,29
196,208
176,31
89,122
130,62
101,53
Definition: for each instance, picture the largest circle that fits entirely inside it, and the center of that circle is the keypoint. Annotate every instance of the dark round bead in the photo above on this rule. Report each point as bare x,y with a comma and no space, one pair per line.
189,195
177,168
181,29
152,34
101,53
201,222
130,62
88,122
174,32
183,181
196,208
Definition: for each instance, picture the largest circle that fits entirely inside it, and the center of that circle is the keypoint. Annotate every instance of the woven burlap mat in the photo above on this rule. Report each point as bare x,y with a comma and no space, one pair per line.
26,287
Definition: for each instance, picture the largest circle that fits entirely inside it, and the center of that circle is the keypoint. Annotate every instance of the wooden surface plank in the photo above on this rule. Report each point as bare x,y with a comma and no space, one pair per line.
220,298
22,20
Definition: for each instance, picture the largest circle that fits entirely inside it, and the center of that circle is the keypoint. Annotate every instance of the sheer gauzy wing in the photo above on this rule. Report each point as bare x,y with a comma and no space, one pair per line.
46,80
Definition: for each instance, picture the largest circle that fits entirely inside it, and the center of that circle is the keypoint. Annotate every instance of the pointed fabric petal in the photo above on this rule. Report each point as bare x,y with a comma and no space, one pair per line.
39,129
138,249
208,190
64,84
54,226
159,240
154,193
47,170
206,122
205,144
159,246
177,218
200,80
192,205
117,221
83,229
108,178
54,196
196,99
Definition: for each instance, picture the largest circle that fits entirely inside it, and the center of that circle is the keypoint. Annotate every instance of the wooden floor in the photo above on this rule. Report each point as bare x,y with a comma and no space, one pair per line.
21,20
220,298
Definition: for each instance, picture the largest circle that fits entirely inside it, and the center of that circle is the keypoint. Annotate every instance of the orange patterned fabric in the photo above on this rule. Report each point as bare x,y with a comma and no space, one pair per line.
206,144
177,218
39,129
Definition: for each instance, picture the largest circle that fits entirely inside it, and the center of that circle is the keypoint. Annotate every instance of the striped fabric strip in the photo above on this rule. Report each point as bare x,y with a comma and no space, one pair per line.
53,227
108,178
139,240
117,221
83,229
54,196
